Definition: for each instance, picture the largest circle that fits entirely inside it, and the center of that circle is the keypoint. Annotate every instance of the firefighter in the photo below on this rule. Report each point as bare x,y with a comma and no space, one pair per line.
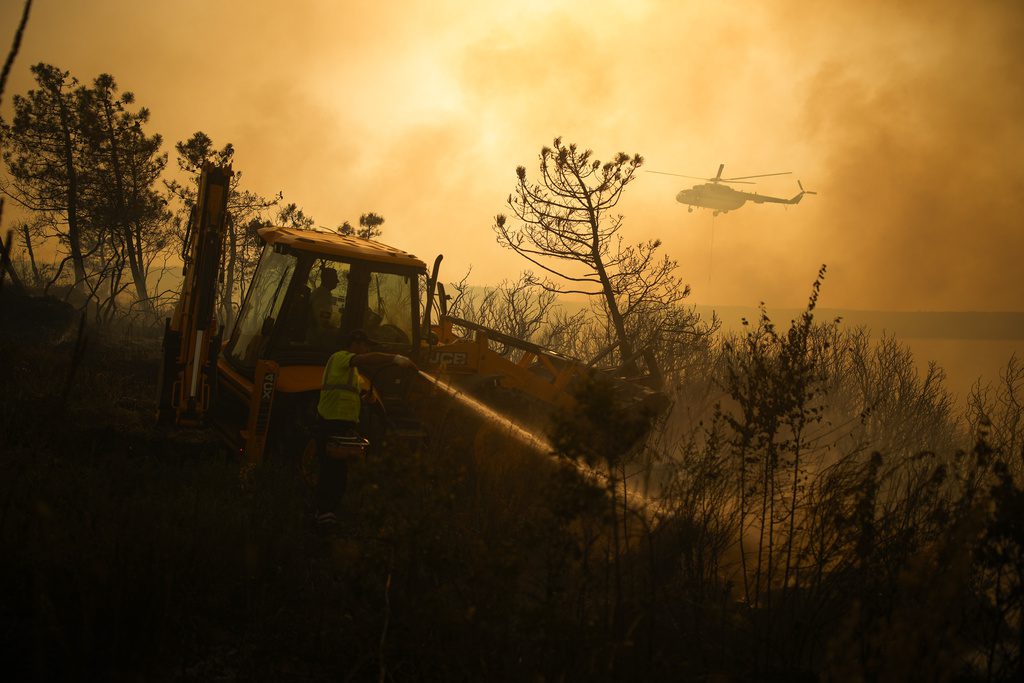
338,414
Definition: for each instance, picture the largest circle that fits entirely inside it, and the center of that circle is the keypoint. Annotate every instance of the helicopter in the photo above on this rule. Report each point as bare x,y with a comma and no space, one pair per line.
717,195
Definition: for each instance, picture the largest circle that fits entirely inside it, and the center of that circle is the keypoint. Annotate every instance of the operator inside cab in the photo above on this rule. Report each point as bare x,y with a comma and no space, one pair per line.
322,301
335,306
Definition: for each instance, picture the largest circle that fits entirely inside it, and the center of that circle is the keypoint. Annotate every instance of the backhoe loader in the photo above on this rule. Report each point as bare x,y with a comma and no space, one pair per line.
258,384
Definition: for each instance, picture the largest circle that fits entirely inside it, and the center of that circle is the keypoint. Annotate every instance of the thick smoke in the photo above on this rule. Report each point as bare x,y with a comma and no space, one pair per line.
922,139
904,116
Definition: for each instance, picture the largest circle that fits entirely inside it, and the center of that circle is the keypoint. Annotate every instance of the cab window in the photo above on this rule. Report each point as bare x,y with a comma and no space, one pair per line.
336,297
262,306
389,308
327,288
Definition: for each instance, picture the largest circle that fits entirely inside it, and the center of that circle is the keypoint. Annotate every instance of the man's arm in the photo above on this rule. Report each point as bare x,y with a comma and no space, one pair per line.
375,359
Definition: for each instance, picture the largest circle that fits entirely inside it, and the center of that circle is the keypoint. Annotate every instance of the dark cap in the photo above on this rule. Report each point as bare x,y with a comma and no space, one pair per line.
359,336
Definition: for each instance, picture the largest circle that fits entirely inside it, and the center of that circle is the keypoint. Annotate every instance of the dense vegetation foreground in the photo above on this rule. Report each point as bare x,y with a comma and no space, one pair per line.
817,511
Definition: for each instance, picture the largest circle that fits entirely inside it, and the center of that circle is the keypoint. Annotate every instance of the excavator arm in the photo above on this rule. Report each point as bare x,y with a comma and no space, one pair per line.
468,355
472,357
191,336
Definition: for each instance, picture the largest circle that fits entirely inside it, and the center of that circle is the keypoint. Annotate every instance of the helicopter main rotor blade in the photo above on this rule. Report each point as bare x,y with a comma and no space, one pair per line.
763,175
678,175
697,177
742,180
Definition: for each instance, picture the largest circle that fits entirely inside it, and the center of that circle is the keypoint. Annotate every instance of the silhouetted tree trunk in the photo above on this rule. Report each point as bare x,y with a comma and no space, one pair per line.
565,227
42,148
126,165
15,47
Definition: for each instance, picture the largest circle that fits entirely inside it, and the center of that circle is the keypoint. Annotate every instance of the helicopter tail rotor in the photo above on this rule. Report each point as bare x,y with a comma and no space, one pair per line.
800,195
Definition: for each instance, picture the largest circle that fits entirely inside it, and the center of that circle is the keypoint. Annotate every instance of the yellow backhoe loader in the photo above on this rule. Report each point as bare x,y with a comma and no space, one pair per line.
258,384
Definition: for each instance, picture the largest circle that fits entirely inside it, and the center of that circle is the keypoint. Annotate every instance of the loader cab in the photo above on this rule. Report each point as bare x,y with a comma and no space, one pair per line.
309,289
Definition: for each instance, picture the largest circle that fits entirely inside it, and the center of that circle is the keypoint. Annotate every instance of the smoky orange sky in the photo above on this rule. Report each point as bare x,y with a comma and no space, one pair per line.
906,117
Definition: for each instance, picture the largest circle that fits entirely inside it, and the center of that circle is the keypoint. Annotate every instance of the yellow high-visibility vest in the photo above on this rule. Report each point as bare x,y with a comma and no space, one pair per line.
339,396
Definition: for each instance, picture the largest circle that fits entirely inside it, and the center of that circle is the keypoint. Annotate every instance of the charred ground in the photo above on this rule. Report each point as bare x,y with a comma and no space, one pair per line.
138,554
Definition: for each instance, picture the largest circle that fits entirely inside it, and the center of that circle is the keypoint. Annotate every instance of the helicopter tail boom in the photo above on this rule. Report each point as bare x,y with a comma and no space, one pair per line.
795,199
